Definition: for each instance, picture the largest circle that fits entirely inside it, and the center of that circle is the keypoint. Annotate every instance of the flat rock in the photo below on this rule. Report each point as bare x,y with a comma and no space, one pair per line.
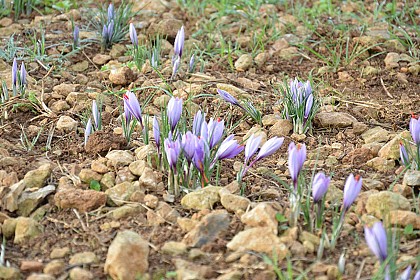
243,63
122,76
404,218
65,89
118,158
391,150
28,201
208,229
26,228
233,202
280,128
87,175
10,200
376,134
10,273
121,192
262,215
101,59
412,178
83,258
258,239
82,200
36,178
381,203
334,119
66,124
39,276
137,167
79,273
127,245
391,60
201,199
188,270
174,248
381,164
80,66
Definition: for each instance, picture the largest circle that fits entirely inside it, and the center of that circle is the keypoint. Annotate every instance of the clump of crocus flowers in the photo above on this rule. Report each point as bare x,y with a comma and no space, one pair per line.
19,81
108,27
299,105
132,115
410,150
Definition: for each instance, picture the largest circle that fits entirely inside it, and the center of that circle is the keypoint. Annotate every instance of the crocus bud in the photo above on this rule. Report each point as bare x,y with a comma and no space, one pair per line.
110,12
175,67
415,130
270,147
14,72
188,145
297,156
156,131
172,149
406,273
404,155
191,64
342,263
133,35
215,131
174,111
200,154
88,130
198,120
229,98
351,190
179,42
110,30
417,275
251,147
320,186
96,114
308,106
377,240
132,104
76,36
23,74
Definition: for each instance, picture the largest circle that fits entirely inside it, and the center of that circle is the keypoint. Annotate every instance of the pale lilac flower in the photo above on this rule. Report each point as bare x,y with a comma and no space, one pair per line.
96,114
320,186
76,36
110,30
153,61
191,64
111,12
198,120
415,130
251,147
156,132
308,106
417,275
377,241
308,89
14,72
406,273
179,43
174,111
352,189
204,133
404,155
172,149
200,154
188,145
175,67
228,149
297,156
133,35
270,147
133,106
88,130
229,98
215,131
22,74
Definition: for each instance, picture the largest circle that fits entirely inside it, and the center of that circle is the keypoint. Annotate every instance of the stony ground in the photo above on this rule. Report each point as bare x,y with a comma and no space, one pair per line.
56,226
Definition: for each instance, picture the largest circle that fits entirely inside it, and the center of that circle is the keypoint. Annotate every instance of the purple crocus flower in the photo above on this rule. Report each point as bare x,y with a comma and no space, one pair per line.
229,98
308,106
156,132
96,114
417,276
132,104
133,35
352,189
406,274
153,60
110,12
174,111
191,64
200,154
175,67
14,72
297,156
252,146
105,33
76,36
228,149
179,43
404,155
215,131
270,147
172,149
415,129
188,145
377,241
88,130
110,30
199,119
23,74
308,89
320,186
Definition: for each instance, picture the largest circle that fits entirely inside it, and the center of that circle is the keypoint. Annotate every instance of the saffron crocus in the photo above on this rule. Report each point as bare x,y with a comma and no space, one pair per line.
132,104
14,72
199,119
76,36
191,64
172,149
174,111
179,43
320,186
270,147
110,12
404,155
175,67
229,98
88,130
133,35
215,131
415,130
406,274
308,106
308,89
417,275
96,114
156,132
228,149
297,156
110,30
188,145
352,189
252,146
377,241
23,75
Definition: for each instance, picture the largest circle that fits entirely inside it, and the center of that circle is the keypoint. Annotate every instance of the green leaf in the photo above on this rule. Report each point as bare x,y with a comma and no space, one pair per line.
409,229
281,218
94,185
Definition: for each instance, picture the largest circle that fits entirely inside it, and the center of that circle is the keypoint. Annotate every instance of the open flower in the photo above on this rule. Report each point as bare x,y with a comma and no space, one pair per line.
270,147
131,104
252,146
228,149
174,111
377,240
352,189
320,186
